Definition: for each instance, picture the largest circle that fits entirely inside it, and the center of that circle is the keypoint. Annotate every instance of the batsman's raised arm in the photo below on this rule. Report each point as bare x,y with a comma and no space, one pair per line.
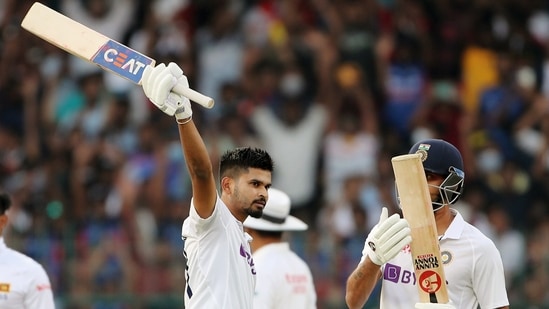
158,83
219,268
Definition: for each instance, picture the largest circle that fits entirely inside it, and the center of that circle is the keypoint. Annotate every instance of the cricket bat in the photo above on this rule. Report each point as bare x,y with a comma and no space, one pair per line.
92,46
415,202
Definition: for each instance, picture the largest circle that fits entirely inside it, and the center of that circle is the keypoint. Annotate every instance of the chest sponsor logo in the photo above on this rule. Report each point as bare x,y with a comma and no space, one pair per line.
248,257
396,274
298,282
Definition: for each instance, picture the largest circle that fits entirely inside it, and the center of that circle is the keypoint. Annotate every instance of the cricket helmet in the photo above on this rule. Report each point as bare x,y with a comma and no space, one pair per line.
442,158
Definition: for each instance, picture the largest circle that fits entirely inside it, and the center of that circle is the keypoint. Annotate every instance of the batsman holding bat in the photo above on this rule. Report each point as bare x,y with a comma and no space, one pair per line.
220,271
472,263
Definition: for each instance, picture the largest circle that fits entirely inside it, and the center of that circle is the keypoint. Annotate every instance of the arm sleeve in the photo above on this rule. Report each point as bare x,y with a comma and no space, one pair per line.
39,293
489,279
195,226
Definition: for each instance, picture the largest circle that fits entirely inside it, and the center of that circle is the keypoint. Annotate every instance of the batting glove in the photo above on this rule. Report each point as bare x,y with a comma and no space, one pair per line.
158,83
387,238
434,306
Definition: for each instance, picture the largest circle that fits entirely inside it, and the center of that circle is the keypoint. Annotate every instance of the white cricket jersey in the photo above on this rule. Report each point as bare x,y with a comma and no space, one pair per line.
220,270
472,266
24,283
284,280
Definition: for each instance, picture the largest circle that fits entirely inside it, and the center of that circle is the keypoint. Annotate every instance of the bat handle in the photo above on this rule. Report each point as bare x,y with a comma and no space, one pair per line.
194,96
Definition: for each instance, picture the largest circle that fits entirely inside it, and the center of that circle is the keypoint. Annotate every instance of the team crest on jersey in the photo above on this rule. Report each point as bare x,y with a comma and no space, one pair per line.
446,257
4,287
422,150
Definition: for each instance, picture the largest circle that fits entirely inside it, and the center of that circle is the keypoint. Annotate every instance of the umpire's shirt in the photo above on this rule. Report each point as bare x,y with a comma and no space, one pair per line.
284,280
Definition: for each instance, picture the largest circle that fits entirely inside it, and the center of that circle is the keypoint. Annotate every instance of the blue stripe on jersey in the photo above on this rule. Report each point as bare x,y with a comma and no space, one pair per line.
188,289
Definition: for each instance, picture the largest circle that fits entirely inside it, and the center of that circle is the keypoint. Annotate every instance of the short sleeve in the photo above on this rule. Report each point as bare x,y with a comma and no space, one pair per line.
39,294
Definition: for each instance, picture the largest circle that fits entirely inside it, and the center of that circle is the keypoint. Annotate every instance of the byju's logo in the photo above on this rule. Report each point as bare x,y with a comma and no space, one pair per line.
396,274
248,258
122,60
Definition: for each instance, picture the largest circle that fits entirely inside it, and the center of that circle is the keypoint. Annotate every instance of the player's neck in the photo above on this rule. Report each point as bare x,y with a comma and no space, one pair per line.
259,242
443,218
237,213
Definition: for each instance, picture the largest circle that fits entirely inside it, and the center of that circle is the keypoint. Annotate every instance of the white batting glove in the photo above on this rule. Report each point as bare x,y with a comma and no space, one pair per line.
434,306
387,238
158,83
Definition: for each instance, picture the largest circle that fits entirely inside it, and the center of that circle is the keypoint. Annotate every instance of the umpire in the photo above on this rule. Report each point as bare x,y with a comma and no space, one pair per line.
284,280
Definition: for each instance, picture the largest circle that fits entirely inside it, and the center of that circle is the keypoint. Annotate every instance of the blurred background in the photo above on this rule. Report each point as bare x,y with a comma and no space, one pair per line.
332,89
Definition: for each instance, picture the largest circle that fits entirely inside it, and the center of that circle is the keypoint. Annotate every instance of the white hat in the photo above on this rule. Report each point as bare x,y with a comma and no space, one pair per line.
276,215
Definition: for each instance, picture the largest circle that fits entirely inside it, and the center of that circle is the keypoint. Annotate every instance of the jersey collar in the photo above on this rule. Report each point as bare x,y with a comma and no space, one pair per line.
455,229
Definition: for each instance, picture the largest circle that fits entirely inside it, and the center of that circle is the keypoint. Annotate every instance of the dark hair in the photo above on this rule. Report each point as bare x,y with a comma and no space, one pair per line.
5,202
240,159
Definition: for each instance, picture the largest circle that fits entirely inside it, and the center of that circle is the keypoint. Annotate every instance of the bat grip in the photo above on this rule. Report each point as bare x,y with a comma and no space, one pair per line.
194,96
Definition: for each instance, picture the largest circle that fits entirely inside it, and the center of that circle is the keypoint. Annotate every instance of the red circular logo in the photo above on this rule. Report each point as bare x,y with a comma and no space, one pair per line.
430,281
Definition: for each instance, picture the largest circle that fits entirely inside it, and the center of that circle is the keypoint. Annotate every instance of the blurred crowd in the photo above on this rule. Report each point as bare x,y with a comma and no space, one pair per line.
332,89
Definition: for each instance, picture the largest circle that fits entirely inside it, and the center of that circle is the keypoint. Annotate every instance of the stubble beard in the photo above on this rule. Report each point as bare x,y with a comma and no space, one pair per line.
250,211
255,213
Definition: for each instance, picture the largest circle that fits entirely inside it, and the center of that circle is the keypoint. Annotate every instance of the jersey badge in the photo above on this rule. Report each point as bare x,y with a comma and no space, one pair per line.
446,257
4,287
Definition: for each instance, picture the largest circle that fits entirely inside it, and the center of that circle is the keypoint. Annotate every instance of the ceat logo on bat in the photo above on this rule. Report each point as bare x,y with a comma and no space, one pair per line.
121,60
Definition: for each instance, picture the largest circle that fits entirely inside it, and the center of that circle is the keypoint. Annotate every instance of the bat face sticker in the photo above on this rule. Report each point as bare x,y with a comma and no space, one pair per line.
121,60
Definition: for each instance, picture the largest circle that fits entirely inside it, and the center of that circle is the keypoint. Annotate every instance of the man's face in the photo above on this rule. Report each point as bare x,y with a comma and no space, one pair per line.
251,191
434,181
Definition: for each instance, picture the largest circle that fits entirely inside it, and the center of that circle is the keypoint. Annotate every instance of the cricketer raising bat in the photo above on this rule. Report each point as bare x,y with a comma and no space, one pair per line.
92,46
415,201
